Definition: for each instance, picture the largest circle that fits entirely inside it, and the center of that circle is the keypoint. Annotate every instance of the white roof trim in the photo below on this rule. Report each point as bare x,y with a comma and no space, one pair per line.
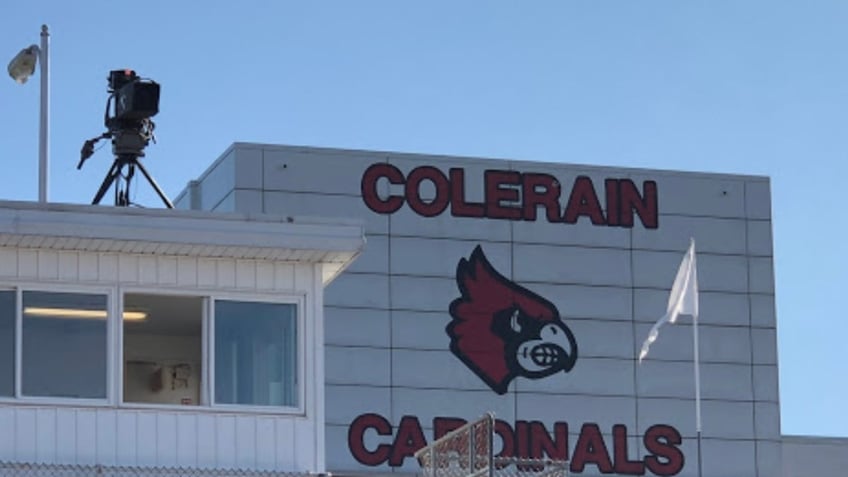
176,232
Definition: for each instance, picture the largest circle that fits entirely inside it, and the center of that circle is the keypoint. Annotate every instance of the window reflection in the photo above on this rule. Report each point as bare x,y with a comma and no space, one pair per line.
255,353
7,343
64,345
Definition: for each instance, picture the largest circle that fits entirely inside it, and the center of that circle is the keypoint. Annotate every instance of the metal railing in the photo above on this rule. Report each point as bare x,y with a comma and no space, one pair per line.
468,452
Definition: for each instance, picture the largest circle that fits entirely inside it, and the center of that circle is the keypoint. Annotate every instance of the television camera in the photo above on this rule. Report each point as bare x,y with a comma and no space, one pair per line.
132,103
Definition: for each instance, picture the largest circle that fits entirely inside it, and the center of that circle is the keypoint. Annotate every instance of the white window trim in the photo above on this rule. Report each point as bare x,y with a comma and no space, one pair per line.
115,347
49,287
117,355
207,374
209,346
119,359
19,339
207,391
299,300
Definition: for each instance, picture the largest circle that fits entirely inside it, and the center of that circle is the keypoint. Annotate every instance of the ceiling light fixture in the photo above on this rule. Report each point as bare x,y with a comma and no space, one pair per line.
78,313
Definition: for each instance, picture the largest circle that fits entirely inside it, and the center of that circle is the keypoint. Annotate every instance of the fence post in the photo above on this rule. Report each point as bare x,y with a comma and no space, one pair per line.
490,435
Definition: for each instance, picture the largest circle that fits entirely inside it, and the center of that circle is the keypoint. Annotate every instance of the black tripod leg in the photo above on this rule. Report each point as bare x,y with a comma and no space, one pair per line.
123,196
107,182
155,186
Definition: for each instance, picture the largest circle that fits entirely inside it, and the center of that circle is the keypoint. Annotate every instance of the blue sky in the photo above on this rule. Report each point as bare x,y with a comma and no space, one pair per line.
754,87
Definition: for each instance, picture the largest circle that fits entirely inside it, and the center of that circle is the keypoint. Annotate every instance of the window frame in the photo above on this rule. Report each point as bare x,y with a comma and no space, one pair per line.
19,288
115,347
16,382
207,386
299,302
119,352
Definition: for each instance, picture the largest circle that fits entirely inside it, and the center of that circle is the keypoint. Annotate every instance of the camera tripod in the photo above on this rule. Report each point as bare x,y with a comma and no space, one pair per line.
128,146
116,176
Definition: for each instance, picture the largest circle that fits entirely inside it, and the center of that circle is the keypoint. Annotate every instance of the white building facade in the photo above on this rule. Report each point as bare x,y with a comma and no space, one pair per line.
156,339
526,289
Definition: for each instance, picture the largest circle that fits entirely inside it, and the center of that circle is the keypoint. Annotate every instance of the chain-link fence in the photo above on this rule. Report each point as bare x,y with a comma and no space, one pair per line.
468,452
516,467
9,469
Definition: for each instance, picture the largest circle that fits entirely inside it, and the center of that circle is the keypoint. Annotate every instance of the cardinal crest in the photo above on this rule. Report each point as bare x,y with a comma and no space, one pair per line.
501,330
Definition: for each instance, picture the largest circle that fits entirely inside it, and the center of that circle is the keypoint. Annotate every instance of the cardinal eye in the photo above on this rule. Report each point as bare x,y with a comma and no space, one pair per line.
551,332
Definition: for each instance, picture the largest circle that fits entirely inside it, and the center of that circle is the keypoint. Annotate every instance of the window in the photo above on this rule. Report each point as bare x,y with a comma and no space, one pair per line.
249,349
8,310
142,348
64,345
255,353
163,339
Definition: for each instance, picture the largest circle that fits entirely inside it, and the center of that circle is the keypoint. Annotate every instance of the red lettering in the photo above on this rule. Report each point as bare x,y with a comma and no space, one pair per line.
356,439
583,201
542,445
413,191
619,445
504,431
591,449
548,196
369,188
527,440
522,439
522,447
408,440
611,186
496,194
443,425
666,459
512,195
644,205
459,207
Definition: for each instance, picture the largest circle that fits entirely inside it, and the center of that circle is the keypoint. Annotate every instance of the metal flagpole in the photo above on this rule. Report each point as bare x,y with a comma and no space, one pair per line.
697,392
697,359
683,299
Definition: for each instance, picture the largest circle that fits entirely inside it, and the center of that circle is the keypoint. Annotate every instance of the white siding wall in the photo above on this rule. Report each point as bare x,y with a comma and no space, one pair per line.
112,435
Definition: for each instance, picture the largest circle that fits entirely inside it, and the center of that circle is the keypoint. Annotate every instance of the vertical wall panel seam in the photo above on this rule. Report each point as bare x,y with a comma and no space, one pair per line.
96,443
390,304
255,442
177,446
510,166
134,415
157,433
750,330
196,422
276,437
76,435
56,435
262,174
634,340
117,436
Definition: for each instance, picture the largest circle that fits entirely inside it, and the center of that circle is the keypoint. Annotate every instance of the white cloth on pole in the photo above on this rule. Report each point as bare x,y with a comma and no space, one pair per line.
683,299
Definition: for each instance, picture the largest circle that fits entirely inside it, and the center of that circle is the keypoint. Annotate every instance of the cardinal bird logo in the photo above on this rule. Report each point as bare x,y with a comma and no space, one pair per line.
501,330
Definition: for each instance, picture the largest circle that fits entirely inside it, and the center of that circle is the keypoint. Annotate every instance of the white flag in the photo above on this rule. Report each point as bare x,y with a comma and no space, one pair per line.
683,299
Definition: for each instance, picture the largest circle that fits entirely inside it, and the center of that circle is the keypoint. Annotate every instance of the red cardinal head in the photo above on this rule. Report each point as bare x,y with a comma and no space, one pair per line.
501,330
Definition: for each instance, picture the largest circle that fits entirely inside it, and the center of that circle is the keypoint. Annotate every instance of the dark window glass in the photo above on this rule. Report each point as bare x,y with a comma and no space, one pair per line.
64,345
7,343
255,353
